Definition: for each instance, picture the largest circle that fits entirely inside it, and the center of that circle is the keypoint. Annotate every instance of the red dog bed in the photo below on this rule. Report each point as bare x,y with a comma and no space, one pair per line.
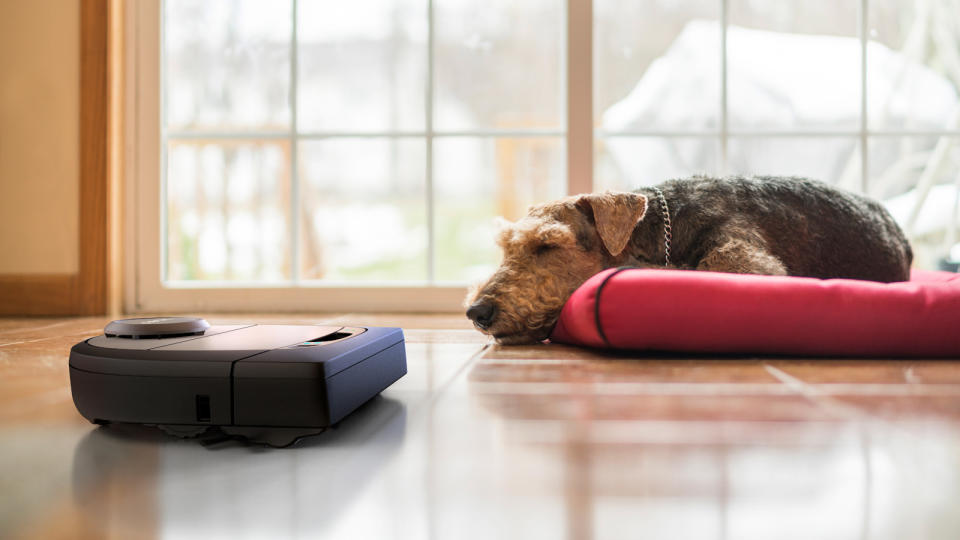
677,310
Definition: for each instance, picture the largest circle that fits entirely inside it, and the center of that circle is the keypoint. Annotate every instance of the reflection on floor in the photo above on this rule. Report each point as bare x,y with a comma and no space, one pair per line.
482,441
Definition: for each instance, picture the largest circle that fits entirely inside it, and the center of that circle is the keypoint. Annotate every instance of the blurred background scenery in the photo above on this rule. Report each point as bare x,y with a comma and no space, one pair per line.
373,141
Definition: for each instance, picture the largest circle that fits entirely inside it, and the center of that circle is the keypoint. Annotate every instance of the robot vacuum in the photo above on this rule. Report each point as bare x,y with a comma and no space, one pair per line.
265,383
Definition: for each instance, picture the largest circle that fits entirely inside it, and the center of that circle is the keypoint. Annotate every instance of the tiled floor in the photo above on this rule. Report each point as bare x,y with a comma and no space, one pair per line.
481,441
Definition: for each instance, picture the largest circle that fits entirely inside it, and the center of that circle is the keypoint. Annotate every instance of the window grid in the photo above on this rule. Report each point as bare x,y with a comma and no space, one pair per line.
723,133
577,136
294,137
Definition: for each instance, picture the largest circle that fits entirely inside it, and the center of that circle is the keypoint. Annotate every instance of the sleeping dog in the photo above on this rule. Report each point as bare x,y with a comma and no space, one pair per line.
757,225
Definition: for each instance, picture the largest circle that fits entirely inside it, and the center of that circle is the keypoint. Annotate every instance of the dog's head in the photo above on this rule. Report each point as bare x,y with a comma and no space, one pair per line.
546,256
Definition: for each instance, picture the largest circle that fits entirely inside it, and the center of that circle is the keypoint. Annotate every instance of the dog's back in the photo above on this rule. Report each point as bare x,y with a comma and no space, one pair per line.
816,230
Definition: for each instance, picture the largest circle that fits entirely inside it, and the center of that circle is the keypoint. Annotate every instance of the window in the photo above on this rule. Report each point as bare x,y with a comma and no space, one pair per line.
323,155
297,136
858,93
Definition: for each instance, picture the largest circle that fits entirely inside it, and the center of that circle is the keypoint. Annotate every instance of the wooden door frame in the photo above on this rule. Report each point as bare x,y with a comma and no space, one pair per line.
83,293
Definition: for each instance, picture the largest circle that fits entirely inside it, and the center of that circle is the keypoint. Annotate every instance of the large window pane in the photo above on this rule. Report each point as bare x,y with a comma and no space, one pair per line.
364,214
834,160
656,64
626,163
227,64
478,178
913,75
918,179
227,211
499,64
793,64
362,65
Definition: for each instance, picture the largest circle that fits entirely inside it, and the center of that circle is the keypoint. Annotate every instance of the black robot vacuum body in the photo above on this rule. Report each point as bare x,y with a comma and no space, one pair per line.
267,383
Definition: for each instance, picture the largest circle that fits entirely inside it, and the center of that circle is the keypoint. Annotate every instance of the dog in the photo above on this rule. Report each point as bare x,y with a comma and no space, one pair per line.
751,225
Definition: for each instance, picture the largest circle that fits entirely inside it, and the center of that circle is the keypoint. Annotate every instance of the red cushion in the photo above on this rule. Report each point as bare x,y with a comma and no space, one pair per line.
677,310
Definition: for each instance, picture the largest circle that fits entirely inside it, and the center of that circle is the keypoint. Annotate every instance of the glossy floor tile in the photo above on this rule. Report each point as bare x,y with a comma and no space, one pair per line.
484,441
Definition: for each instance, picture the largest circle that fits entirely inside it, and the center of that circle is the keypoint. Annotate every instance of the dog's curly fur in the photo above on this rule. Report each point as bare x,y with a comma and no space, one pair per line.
758,225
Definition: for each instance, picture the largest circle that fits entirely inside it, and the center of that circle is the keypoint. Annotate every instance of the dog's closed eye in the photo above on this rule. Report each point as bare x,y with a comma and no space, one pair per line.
543,249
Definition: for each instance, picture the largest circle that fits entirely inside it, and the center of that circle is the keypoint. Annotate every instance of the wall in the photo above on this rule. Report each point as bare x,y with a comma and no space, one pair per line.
39,136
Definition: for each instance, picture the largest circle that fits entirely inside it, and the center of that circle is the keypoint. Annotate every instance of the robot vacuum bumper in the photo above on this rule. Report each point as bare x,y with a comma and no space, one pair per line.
255,381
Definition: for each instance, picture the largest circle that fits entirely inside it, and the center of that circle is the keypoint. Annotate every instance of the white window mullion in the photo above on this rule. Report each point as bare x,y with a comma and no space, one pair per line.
428,108
302,135
724,100
294,159
864,140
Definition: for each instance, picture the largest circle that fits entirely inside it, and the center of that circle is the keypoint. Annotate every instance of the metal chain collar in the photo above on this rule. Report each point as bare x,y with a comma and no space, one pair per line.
667,228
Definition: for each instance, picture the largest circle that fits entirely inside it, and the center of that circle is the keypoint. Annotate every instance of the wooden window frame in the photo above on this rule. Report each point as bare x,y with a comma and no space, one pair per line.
145,289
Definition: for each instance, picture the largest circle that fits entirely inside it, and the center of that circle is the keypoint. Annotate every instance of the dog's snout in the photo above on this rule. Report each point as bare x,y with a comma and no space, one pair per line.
482,313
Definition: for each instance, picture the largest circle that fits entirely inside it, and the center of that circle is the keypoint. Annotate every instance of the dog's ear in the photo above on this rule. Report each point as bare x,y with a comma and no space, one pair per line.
504,231
615,214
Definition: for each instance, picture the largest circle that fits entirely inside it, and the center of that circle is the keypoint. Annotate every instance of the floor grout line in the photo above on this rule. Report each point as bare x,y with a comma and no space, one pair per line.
456,375
91,332
822,400
538,361
609,431
36,328
783,386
